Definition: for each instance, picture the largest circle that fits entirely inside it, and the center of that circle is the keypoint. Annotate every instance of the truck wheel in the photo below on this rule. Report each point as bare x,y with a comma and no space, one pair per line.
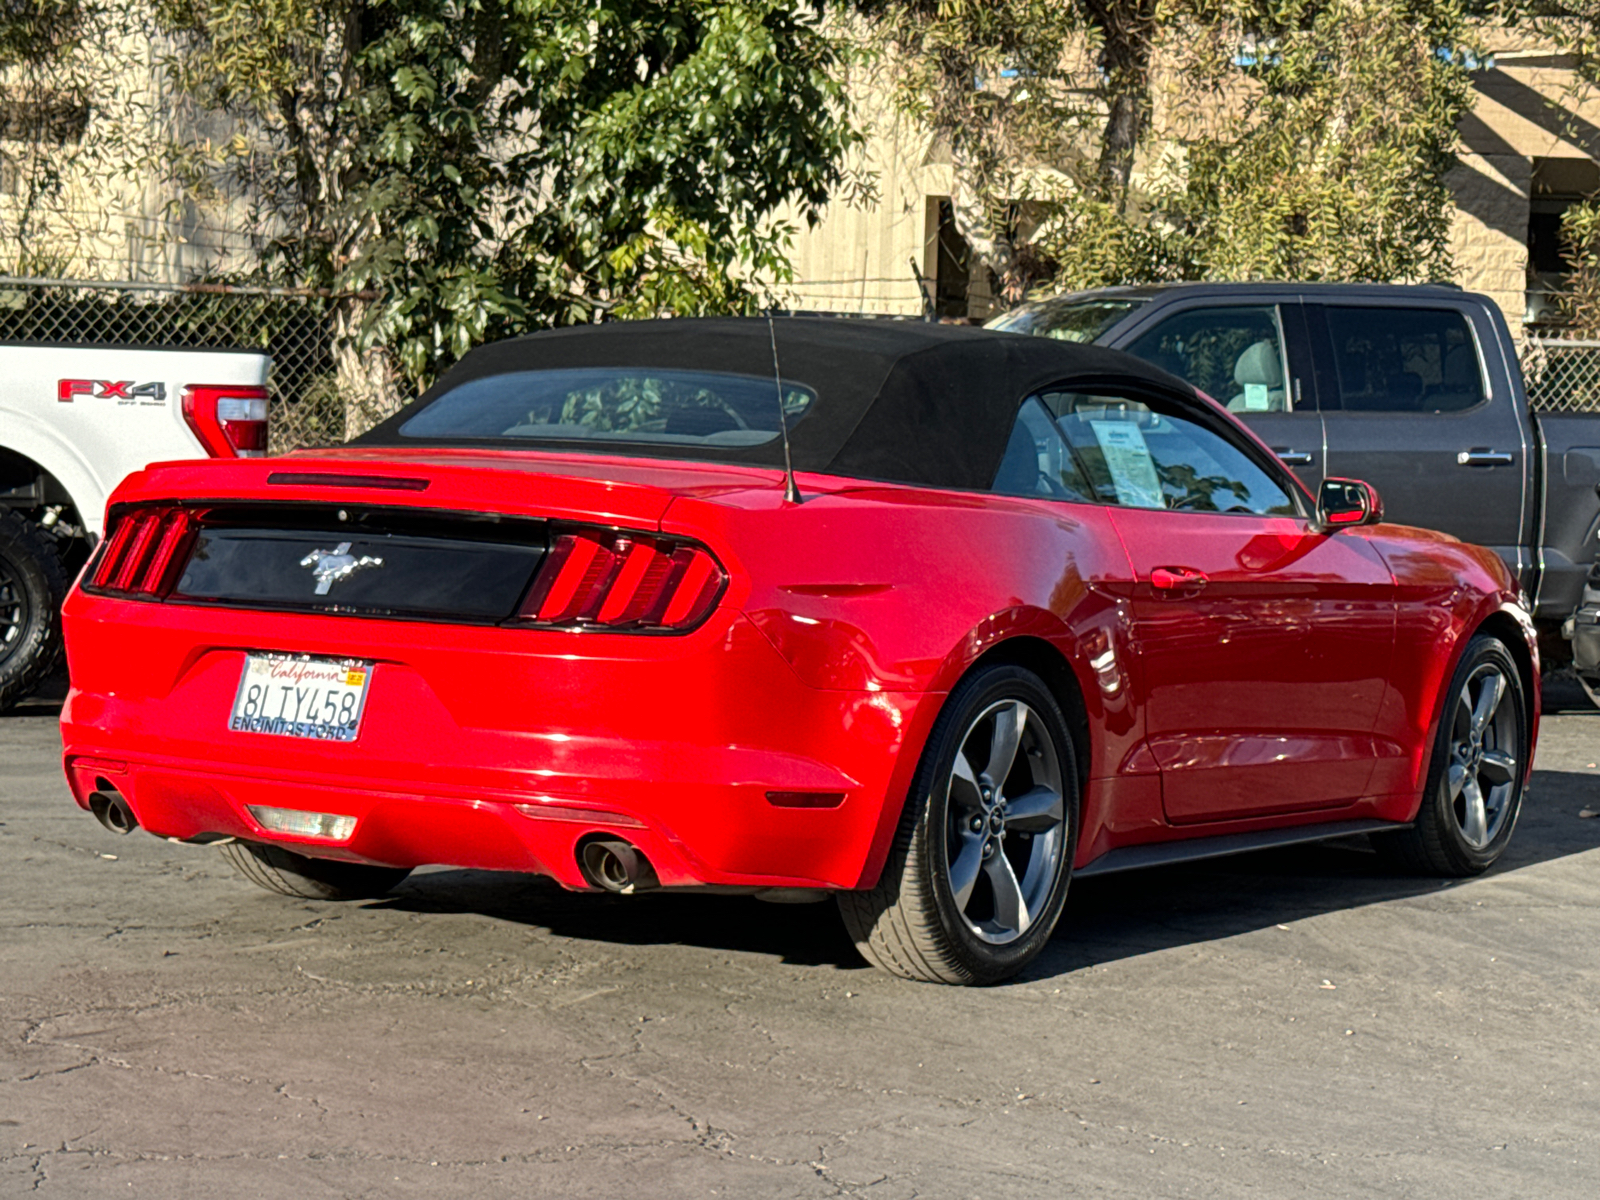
291,874
978,872
1480,758
32,587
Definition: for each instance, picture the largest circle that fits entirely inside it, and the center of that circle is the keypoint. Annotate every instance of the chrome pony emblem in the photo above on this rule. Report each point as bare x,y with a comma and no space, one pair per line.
335,566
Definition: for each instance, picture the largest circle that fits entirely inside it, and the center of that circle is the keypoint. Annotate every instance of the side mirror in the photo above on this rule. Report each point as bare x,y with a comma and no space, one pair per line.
1345,503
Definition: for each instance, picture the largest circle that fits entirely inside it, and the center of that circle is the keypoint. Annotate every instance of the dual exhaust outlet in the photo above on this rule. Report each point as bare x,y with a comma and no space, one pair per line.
615,865
112,809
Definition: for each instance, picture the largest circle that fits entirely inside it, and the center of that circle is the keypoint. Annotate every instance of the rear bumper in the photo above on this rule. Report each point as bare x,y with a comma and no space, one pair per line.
499,748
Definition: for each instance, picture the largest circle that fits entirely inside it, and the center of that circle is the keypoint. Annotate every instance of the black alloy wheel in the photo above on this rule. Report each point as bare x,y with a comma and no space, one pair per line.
32,588
977,876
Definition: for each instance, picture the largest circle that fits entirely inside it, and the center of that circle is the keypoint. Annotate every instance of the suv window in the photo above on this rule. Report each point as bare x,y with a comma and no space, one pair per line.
1066,321
1125,452
1234,355
1404,359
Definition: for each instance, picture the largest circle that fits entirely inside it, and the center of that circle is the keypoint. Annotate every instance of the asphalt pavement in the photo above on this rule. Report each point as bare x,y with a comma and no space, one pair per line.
1292,1023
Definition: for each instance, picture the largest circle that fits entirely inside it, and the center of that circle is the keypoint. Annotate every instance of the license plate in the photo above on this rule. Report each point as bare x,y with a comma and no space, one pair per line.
319,698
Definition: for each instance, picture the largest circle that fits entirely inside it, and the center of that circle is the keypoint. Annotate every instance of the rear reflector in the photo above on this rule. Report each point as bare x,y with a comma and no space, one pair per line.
805,799
143,552
579,816
606,579
231,422
330,826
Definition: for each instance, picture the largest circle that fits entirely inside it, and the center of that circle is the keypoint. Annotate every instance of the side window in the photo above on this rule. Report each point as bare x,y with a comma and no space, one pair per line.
1234,355
1404,359
1130,454
1038,461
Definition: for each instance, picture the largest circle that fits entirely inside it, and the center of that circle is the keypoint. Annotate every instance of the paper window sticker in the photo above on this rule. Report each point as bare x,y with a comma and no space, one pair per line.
1255,397
1128,461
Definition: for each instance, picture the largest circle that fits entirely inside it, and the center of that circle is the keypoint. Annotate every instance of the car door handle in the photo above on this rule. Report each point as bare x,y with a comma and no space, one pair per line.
1484,458
1293,458
1177,579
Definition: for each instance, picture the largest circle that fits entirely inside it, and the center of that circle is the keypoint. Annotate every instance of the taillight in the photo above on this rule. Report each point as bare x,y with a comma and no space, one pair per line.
605,579
143,553
231,421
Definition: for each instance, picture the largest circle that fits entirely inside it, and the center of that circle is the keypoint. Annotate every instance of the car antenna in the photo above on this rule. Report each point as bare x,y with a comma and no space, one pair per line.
791,490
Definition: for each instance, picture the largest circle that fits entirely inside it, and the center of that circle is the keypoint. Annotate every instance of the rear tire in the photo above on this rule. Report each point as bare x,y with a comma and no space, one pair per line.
32,588
977,876
291,874
1475,776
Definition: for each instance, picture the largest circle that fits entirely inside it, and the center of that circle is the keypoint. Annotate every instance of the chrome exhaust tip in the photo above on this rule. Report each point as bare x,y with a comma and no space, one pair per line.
614,865
112,810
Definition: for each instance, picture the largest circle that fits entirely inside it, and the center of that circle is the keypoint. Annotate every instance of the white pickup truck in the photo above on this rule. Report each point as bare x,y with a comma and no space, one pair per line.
74,420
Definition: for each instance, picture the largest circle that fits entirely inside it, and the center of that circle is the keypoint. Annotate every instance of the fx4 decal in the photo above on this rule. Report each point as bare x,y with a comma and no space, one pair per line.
124,392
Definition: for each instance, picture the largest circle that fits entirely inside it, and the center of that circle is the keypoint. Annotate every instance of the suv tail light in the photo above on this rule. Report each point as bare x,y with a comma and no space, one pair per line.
144,550
606,579
231,421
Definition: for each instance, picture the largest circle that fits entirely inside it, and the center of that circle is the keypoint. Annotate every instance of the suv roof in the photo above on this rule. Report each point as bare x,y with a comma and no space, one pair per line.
1151,290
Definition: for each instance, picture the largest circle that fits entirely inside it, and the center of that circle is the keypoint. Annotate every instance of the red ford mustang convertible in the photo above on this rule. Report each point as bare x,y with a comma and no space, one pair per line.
931,619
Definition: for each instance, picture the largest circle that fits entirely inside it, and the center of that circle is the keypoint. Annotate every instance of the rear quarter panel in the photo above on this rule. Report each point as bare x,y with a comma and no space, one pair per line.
900,589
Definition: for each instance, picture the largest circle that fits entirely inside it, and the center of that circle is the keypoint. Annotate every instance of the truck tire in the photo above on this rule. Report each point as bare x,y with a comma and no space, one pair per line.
32,587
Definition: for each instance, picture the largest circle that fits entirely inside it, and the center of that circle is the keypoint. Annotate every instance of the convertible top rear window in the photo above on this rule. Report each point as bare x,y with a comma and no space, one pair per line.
900,401
614,404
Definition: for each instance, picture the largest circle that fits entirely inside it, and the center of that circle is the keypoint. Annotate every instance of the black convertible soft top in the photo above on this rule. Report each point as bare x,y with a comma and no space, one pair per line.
902,401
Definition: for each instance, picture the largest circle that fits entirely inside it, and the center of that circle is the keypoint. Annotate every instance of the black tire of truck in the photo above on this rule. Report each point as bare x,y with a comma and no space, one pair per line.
32,586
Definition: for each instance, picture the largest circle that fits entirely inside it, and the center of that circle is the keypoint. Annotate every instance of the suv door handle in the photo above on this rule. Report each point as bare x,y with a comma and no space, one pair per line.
1293,458
1177,579
1484,458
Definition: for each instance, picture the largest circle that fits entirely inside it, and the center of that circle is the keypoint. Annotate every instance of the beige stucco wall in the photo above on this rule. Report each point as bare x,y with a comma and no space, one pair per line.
859,258
1489,229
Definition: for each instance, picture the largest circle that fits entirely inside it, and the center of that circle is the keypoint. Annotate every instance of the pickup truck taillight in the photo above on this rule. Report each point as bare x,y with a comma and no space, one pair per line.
605,579
143,552
230,421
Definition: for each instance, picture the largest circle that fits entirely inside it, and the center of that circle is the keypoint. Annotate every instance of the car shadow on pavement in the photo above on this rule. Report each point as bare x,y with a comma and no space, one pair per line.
1107,918
1119,916
800,934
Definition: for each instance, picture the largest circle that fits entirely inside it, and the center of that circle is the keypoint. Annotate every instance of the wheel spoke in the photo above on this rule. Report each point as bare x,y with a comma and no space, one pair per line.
1489,696
1498,767
1037,811
1475,824
964,871
1010,912
1457,779
1008,723
964,783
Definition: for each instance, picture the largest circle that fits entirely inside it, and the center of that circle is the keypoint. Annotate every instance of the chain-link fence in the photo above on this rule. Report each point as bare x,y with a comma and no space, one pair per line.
293,327
1562,374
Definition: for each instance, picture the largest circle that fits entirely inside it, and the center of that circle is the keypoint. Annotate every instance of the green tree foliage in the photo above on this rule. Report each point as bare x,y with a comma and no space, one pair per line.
458,170
1136,140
